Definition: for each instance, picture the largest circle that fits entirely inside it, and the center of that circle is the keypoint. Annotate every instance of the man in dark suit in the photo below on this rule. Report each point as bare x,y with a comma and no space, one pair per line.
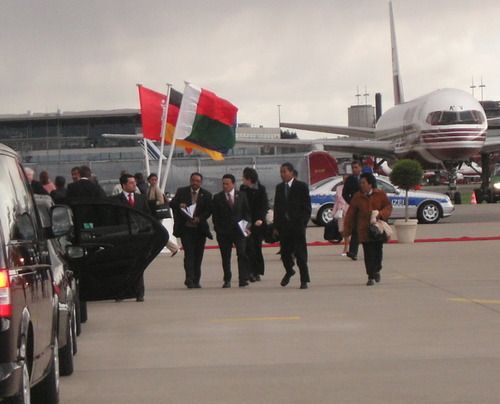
351,186
84,188
229,208
137,201
193,231
292,211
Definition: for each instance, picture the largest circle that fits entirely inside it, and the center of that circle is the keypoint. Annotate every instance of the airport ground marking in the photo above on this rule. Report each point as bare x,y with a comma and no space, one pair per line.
242,319
478,301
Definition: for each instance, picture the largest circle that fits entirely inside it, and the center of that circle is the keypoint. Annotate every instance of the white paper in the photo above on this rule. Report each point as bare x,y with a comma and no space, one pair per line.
243,225
189,210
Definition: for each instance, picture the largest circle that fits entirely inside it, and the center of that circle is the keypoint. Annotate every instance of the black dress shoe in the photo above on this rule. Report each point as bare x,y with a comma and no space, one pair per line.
370,282
244,284
303,285
252,278
189,284
286,278
376,277
118,300
196,286
257,278
352,256
226,285
140,299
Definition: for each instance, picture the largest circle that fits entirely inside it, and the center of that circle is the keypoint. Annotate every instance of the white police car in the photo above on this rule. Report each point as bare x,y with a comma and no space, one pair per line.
427,207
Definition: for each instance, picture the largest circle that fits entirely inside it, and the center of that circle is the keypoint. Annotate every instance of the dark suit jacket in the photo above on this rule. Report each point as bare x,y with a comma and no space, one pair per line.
141,202
351,186
257,200
295,211
203,210
226,219
84,189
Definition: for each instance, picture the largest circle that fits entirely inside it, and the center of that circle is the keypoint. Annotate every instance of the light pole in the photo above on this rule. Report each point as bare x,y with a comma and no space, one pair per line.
279,115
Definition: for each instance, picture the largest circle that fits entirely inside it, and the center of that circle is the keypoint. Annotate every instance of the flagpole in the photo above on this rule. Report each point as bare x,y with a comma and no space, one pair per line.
164,120
146,157
169,163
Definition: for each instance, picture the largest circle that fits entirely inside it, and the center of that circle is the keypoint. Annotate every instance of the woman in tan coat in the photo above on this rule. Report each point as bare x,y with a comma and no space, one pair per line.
368,199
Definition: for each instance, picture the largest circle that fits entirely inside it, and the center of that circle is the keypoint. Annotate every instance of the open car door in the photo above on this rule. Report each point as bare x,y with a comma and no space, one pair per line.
119,243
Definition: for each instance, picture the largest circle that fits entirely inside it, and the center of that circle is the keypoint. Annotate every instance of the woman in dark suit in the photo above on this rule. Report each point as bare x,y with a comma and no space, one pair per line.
259,205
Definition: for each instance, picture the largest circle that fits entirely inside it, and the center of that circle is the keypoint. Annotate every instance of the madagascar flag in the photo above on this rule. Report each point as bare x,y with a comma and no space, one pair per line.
152,110
206,121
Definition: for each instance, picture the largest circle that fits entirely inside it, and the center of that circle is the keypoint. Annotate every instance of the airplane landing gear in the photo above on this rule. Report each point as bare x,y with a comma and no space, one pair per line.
454,195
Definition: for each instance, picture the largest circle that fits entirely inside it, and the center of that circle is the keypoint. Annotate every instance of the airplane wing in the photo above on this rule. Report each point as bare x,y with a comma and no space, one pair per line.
352,131
366,147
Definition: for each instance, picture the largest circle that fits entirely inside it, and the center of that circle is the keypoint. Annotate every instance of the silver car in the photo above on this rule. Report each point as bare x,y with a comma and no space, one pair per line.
427,207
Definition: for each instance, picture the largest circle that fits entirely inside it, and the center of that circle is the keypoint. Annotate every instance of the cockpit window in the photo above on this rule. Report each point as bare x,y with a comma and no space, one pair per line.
470,117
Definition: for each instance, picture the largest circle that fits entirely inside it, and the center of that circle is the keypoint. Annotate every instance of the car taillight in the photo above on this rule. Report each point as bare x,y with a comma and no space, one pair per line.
5,303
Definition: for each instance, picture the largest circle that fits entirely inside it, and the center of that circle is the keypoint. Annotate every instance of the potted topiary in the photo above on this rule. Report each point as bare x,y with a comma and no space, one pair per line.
406,174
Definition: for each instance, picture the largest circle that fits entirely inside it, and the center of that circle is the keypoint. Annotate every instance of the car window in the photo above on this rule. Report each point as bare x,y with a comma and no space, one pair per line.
17,211
108,222
387,188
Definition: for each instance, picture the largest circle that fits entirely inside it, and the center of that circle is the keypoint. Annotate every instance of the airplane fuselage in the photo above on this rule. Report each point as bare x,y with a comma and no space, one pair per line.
445,126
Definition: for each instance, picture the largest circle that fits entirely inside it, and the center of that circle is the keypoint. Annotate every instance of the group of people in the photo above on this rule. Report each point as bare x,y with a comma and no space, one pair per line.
239,218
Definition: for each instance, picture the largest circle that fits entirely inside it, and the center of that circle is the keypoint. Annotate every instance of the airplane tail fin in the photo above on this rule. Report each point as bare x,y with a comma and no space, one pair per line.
396,76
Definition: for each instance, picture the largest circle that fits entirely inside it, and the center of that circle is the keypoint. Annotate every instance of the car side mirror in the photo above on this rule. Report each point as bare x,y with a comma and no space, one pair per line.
74,252
62,220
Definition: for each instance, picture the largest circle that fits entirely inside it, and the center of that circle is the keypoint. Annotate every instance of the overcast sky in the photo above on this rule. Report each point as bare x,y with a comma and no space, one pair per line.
307,56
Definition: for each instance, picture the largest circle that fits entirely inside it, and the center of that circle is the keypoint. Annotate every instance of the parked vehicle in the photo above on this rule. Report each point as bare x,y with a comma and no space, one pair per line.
29,349
427,207
65,285
112,246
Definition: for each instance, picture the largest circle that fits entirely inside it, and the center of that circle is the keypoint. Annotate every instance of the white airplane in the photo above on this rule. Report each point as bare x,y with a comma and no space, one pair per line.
443,128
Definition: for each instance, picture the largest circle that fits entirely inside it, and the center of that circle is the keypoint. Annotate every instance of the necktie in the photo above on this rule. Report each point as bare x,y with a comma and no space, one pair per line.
131,201
287,190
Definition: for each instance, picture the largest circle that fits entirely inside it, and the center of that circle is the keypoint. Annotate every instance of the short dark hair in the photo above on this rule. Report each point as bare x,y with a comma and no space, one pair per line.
152,175
354,162
288,166
250,174
60,181
370,178
85,171
196,173
230,176
139,177
76,169
124,178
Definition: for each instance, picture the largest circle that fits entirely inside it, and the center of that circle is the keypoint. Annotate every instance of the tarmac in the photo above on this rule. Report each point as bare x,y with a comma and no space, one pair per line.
428,333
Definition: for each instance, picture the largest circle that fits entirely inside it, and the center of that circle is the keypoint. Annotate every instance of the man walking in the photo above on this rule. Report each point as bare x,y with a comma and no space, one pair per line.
292,211
129,197
192,229
351,186
230,211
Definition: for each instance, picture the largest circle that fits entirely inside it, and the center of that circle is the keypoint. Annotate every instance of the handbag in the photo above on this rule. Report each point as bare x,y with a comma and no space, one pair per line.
377,233
331,232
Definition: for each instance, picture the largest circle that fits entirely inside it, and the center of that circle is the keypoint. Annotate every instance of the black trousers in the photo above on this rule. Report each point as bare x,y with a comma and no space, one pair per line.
354,243
226,242
293,243
373,257
193,243
254,252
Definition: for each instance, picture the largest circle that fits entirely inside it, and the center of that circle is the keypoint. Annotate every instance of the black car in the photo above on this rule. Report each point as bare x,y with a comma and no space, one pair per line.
112,246
29,353
65,286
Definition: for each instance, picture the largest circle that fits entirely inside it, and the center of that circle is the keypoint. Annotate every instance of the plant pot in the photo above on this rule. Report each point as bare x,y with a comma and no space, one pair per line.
406,231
